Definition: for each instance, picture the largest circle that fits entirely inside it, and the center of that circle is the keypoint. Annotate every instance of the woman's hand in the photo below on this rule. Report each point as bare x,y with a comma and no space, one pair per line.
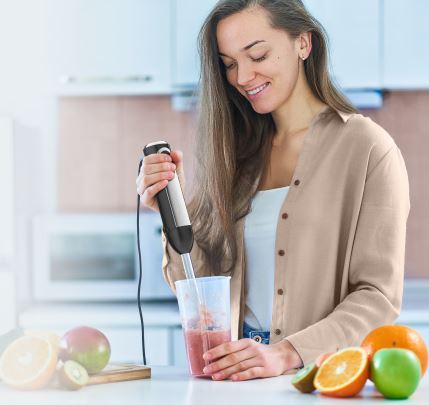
246,359
156,171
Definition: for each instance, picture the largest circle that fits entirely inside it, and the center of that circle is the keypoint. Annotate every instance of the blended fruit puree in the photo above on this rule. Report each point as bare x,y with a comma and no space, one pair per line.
194,340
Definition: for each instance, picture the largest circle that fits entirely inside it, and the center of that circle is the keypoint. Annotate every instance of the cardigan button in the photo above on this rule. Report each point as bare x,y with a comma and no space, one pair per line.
284,215
277,331
280,291
281,252
296,182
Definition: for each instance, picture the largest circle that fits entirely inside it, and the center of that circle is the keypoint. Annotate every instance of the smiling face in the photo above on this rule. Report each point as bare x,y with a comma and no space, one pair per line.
261,62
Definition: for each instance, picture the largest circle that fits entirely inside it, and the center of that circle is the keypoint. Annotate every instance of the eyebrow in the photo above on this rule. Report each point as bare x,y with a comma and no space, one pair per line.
246,47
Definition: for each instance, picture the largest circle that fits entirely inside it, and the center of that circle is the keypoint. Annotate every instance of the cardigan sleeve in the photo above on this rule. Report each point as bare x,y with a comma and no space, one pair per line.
376,270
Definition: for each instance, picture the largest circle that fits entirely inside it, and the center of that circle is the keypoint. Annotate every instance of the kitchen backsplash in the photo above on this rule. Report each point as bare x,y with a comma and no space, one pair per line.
101,140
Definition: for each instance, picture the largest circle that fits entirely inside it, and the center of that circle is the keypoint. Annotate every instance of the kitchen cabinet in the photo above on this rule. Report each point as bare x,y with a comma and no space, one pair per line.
7,282
405,33
7,191
110,47
7,301
126,345
354,35
179,349
120,323
353,29
189,16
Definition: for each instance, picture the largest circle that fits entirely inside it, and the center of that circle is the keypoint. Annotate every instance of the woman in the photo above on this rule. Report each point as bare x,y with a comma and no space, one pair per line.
295,190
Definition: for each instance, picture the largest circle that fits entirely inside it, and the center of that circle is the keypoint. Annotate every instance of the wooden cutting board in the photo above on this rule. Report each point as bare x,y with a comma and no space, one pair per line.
115,372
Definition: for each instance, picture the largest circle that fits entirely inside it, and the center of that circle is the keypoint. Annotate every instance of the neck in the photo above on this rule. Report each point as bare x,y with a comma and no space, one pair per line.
296,114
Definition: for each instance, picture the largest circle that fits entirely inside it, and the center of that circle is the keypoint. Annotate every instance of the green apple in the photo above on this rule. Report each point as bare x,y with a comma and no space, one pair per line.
395,372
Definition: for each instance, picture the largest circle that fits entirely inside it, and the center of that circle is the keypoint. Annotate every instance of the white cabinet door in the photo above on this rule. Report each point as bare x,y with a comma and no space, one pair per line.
126,345
189,16
125,342
406,56
7,301
7,191
353,29
354,33
114,46
179,350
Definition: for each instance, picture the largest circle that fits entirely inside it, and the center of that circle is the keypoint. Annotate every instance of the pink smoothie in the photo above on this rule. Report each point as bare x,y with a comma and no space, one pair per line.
194,340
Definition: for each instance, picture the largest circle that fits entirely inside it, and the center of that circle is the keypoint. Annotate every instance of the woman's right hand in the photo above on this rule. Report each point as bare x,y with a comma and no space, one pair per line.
157,169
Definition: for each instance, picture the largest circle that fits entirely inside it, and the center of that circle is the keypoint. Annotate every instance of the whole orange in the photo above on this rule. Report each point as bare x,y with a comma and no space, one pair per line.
396,336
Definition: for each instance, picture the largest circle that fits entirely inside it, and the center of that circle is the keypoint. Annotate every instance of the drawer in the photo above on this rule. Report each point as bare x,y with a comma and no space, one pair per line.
179,350
126,345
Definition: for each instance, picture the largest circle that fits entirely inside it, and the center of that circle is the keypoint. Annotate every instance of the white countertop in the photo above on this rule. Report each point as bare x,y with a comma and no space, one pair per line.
170,385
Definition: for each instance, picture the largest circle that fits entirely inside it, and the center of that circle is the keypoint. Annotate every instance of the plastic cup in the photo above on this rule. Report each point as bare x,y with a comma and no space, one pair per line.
206,317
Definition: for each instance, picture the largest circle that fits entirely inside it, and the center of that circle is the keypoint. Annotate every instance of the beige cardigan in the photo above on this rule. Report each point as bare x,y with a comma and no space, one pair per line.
340,240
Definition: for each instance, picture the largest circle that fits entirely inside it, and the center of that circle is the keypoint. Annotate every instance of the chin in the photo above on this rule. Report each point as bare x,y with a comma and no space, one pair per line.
262,109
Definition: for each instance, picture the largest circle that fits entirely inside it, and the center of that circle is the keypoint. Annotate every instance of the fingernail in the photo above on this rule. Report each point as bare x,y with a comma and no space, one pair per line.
206,356
205,370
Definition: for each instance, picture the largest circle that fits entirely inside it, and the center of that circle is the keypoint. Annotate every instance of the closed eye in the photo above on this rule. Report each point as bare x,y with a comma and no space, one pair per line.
263,57
228,66
231,65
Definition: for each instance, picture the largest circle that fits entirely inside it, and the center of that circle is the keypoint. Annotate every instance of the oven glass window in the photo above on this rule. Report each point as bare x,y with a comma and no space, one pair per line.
93,257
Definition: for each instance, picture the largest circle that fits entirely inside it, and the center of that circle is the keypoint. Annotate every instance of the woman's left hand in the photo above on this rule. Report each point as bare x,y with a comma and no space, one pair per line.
246,359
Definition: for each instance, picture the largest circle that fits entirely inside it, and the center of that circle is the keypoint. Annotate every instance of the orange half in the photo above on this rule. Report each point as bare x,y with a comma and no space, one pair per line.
28,362
344,373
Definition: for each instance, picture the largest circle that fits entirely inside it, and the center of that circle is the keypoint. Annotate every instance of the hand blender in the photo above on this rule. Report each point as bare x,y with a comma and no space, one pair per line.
174,214
177,226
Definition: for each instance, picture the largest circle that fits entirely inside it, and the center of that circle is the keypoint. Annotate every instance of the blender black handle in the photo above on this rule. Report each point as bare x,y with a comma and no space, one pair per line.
172,207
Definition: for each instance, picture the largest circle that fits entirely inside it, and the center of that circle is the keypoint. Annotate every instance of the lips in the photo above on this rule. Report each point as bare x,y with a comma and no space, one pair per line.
256,90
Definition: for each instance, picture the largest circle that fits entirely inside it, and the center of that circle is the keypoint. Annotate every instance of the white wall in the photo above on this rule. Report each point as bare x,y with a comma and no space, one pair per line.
26,95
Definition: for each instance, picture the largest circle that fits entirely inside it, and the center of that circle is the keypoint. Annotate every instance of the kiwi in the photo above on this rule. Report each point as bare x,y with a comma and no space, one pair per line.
72,375
303,379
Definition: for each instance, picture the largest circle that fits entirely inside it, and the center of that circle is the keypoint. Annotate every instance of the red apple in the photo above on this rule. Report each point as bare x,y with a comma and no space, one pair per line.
88,346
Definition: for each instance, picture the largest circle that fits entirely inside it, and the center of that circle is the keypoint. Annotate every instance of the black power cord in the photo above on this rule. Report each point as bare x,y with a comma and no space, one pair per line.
140,271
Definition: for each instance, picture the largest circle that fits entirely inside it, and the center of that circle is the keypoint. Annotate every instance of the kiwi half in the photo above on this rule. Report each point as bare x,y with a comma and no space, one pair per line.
72,375
303,379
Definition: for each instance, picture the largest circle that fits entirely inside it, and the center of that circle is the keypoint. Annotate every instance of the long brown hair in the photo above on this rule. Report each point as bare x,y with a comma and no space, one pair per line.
234,142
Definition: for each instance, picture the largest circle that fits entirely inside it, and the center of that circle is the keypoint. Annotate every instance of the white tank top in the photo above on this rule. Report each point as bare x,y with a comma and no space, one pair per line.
259,239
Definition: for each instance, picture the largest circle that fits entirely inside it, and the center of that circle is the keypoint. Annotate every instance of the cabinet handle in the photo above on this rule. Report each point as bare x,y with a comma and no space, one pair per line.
69,79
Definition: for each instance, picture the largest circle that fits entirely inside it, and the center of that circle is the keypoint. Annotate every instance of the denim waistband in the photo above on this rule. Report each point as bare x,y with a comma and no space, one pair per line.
259,336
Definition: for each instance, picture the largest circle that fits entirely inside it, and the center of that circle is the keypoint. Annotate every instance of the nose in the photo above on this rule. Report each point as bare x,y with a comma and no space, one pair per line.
245,74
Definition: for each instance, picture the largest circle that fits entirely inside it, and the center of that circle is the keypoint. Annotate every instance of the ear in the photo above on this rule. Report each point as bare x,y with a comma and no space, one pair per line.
303,45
